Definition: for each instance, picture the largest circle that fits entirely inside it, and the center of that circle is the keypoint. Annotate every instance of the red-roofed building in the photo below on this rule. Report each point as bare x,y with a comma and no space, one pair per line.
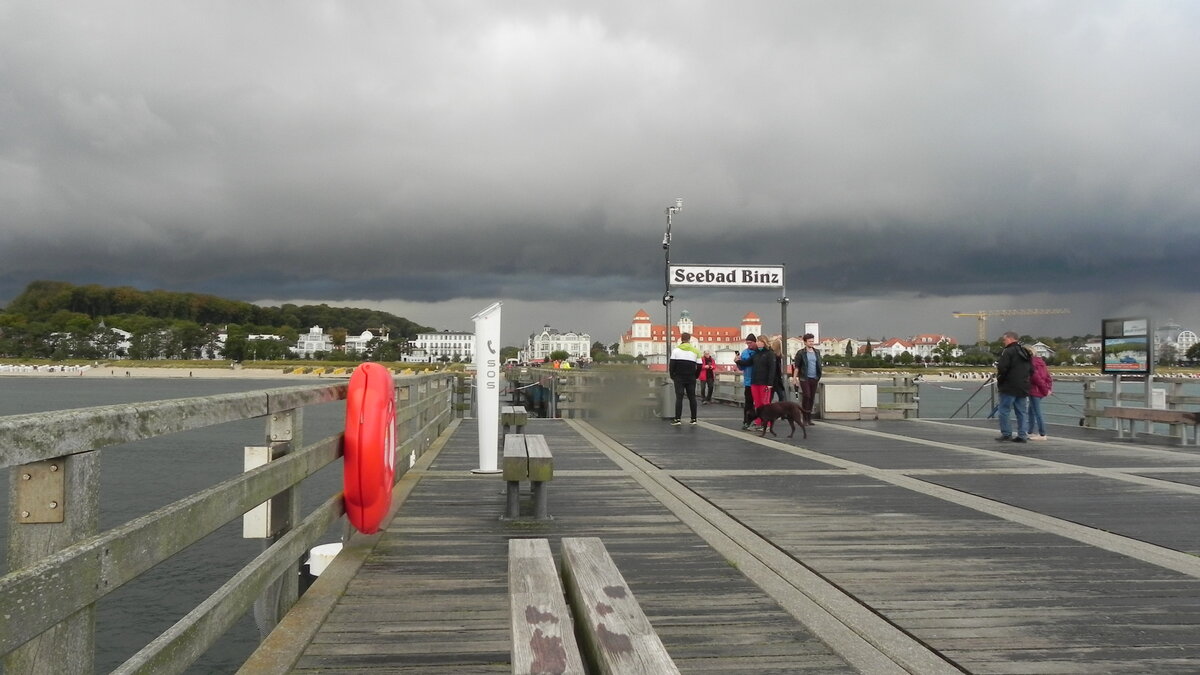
646,338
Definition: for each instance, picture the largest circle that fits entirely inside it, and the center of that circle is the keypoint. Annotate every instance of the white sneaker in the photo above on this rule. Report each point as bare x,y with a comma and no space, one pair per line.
1037,438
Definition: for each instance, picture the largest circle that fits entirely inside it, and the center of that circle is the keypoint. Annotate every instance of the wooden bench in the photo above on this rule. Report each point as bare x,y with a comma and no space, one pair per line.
1175,418
527,457
514,416
543,634
616,635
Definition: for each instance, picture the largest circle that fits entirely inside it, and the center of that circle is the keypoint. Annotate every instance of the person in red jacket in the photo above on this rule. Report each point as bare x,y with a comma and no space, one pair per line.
1040,385
708,376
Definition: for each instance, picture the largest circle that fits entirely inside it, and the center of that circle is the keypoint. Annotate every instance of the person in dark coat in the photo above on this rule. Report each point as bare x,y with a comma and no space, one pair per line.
806,373
1013,369
764,366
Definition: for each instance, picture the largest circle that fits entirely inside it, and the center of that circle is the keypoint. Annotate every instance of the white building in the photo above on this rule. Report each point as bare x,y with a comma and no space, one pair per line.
451,345
1185,341
541,345
317,340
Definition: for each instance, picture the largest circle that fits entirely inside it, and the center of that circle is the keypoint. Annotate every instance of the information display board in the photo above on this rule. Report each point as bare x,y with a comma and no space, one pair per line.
1126,346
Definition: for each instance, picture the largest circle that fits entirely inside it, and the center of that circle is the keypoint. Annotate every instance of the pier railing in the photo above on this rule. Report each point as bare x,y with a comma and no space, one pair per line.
61,565
636,392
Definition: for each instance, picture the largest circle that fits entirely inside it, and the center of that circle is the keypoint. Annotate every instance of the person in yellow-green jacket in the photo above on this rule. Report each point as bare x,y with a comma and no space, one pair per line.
684,368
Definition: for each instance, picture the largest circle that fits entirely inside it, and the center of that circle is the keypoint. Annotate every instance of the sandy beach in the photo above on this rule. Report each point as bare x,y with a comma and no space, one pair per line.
170,373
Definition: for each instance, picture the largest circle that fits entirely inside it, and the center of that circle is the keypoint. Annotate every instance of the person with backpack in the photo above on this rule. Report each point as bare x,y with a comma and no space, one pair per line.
1040,386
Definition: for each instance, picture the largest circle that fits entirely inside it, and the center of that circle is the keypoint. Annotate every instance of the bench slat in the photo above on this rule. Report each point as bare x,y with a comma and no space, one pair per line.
516,461
543,635
514,415
1151,415
541,463
615,632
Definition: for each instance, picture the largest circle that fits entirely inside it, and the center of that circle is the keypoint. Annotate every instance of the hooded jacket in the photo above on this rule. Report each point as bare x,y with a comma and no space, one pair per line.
684,365
1040,382
1013,369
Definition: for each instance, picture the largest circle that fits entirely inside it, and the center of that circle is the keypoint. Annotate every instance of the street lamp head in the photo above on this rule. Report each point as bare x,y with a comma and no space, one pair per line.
679,203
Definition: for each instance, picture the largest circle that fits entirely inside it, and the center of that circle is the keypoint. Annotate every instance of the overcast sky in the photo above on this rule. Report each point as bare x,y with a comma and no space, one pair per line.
904,159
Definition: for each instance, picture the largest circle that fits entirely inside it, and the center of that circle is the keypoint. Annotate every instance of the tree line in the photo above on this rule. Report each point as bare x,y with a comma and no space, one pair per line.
59,320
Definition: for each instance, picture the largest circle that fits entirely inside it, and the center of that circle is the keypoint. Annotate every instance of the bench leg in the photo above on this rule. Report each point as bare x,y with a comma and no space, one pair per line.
520,429
512,508
539,501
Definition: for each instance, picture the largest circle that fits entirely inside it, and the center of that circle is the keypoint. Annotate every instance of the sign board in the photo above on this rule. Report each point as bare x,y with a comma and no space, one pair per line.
487,385
814,328
1126,346
727,276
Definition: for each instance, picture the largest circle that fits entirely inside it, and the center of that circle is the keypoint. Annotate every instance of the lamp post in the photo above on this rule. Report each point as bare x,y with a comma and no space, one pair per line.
667,297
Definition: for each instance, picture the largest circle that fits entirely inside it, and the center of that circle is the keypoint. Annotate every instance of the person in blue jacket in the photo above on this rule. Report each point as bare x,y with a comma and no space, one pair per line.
744,364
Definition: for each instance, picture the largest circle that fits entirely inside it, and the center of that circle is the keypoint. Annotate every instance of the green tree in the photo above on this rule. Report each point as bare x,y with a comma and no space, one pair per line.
559,355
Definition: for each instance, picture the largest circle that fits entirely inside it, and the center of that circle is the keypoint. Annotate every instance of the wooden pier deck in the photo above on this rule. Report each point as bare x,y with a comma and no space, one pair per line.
899,546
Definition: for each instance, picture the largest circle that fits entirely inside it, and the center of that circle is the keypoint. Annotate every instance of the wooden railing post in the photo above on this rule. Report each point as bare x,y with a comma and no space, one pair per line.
284,432
74,502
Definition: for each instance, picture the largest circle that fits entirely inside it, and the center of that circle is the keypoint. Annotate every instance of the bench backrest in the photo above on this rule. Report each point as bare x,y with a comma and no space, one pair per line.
1152,414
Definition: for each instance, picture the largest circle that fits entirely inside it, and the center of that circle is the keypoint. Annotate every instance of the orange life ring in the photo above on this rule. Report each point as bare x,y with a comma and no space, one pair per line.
369,447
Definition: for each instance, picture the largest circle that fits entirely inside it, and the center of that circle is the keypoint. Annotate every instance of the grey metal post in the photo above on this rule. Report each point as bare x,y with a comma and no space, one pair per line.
667,297
787,359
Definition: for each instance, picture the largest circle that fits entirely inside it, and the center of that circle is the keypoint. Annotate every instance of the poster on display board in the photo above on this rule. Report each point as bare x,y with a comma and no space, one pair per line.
1126,346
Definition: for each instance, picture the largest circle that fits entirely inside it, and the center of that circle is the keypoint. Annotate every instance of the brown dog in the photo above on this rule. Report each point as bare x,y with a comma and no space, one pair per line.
787,410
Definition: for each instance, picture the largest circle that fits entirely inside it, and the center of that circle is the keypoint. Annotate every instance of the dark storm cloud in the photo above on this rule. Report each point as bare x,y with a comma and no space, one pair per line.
437,151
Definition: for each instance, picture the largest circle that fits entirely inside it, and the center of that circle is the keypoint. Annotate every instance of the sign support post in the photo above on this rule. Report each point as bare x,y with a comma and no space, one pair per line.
487,386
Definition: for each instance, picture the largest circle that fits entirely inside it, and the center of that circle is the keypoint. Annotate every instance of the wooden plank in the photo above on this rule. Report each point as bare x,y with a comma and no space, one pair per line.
616,633
541,463
520,415
516,461
543,635
1152,415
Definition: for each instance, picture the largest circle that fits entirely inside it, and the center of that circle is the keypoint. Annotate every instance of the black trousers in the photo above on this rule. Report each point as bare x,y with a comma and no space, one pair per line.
808,392
685,388
706,388
748,408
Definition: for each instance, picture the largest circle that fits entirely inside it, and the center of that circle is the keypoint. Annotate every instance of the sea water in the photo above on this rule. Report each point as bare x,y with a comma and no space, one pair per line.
140,477
966,399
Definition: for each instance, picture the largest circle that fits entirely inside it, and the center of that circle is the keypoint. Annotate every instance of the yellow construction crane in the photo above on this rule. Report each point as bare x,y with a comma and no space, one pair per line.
983,317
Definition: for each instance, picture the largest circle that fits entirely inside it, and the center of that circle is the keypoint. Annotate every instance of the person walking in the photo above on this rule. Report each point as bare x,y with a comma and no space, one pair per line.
744,364
765,365
806,373
708,376
1040,386
1012,383
684,368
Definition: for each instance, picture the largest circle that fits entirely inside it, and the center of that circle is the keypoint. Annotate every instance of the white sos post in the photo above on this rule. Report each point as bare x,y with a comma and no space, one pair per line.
487,386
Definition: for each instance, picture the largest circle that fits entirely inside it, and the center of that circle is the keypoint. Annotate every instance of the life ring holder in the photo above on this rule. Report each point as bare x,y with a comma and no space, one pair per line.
369,447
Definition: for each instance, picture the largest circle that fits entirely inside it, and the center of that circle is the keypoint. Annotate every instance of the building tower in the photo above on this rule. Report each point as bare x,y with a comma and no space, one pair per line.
751,324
